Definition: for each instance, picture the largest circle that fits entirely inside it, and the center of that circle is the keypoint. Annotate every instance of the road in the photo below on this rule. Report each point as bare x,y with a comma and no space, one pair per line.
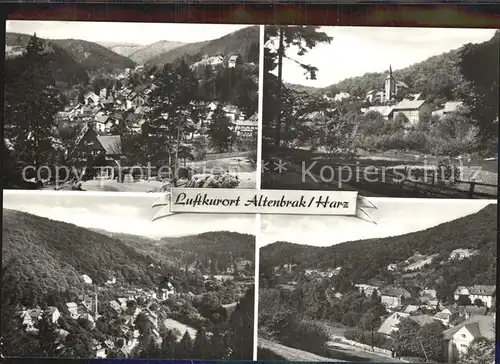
292,354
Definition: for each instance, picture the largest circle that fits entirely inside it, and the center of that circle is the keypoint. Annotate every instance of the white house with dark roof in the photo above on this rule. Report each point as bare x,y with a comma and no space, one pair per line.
484,293
459,337
393,296
72,308
410,109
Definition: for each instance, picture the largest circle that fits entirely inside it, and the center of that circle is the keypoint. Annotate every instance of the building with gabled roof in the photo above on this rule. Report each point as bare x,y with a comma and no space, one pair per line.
89,142
459,337
393,296
482,292
410,109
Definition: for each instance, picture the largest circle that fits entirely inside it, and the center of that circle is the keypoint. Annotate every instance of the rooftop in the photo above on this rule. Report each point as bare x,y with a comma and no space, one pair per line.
481,325
409,105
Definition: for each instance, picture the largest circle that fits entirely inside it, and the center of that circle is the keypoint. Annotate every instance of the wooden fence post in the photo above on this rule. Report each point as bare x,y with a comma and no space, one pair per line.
471,189
401,184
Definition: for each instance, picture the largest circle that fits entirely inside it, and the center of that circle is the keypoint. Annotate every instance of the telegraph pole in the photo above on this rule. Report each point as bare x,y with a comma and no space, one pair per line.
423,349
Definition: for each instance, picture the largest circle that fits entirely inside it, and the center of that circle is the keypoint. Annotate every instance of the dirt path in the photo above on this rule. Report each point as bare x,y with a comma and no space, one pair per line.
292,354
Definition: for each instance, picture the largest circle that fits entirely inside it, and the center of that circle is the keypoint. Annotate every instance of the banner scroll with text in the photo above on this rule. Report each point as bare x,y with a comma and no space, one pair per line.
240,201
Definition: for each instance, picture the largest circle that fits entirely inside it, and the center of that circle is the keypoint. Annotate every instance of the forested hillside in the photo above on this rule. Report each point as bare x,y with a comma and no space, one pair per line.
367,259
221,248
438,78
41,255
62,65
244,42
89,55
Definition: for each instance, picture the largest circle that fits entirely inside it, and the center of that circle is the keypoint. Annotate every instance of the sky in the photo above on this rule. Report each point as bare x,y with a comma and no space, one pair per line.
394,216
124,213
138,33
355,51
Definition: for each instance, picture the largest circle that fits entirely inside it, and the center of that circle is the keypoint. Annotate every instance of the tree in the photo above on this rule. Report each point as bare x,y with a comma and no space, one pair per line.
303,38
463,300
173,109
168,346
405,342
31,102
219,131
478,302
480,351
431,340
482,96
201,345
185,347
370,321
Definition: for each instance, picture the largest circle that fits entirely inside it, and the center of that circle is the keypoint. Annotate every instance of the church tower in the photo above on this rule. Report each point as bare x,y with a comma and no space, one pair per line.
390,86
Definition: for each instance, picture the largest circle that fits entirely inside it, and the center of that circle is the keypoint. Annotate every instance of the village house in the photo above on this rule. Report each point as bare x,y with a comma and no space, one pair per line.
30,318
89,142
411,309
459,337
233,61
459,254
385,110
86,279
165,291
72,308
449,108
91,98
392,267
123,302
246,129
393,296
52,314
367,289
447,315
476,292
411,110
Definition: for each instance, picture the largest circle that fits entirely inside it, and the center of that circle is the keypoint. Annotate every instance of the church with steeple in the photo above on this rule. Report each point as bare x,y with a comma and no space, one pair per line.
388,93
392,87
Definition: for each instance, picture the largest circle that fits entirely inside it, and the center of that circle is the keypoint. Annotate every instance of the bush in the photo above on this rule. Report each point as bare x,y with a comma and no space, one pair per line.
305,336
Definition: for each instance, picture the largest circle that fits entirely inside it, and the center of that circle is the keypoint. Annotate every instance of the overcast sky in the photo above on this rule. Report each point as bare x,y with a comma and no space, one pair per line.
355,51
394,216
123,213
140,33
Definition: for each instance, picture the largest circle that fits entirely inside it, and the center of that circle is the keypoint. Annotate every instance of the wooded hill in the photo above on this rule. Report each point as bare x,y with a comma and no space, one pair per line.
438,78
223,247
91,56
244,42
366,259
42,255
63,66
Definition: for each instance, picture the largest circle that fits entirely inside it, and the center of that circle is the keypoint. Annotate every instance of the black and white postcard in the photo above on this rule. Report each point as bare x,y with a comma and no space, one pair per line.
389,112
419,285
93,276
131,107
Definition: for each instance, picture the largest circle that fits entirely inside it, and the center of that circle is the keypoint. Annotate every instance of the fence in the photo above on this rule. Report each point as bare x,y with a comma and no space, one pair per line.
364,346
414,180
